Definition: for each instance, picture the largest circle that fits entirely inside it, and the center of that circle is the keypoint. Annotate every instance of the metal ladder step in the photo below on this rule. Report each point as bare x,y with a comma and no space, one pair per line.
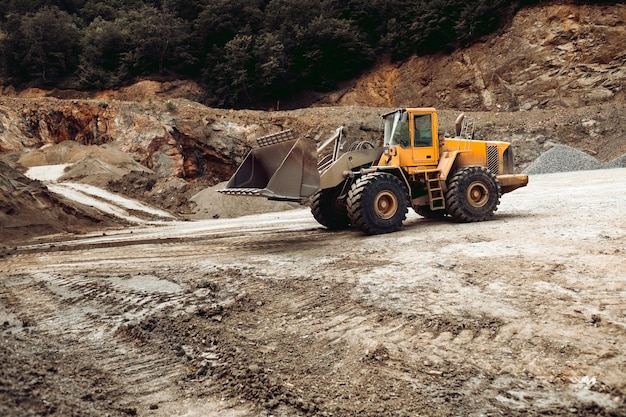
435,191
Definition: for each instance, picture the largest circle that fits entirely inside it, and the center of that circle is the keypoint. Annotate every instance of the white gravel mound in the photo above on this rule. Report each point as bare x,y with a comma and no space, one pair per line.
619,162
562,158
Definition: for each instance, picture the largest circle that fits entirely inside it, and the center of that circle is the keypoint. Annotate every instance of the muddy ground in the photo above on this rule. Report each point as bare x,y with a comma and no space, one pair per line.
271,315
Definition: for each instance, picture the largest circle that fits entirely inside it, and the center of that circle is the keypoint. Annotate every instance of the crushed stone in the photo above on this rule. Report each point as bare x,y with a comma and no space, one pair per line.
562,158
619,162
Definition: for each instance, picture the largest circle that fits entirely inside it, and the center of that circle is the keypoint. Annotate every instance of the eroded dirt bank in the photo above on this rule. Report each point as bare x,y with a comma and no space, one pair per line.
272,315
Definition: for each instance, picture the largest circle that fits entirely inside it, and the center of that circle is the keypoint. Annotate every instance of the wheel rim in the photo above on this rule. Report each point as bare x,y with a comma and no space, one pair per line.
386,205
477,194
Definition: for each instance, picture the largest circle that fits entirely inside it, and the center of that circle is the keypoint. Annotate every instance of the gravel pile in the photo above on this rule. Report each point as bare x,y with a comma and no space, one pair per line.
619,162
562,158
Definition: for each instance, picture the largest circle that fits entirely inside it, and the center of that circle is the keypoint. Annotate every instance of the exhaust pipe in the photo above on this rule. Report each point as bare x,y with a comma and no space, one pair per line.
458,124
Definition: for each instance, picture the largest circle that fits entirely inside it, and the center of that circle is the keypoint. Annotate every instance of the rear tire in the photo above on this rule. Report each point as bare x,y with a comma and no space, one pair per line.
329,210
473,195
377,203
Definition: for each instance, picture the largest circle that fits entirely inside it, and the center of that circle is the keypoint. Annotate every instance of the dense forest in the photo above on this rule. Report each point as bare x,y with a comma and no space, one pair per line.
243,52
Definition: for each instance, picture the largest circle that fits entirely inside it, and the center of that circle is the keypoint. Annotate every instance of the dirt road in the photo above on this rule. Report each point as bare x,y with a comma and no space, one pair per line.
273,315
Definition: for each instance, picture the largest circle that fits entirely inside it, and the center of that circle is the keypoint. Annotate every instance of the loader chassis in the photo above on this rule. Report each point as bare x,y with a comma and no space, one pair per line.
371,187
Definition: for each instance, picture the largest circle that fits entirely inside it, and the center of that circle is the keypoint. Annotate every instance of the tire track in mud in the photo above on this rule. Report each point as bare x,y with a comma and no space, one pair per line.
303,326
446,355
294,341
88,316
363,351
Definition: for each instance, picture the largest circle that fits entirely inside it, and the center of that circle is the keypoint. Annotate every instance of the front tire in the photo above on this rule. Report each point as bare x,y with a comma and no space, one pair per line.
473,195
377,203
329,210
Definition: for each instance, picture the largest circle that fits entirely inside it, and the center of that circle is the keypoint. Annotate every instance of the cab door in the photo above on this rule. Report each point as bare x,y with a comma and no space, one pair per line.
424,133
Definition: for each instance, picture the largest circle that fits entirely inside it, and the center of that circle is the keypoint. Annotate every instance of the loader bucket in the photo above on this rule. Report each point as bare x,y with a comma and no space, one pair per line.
282,168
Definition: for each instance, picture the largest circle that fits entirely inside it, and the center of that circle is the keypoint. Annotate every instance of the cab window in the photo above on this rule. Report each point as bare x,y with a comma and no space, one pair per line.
423,130
401,136
397,129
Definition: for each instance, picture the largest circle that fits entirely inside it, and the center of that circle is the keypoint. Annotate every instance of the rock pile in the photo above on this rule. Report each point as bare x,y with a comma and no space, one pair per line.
619,162
91,164
563,158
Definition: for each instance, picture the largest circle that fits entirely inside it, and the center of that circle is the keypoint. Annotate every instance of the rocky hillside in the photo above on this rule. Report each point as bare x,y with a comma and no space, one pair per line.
556,76
558,56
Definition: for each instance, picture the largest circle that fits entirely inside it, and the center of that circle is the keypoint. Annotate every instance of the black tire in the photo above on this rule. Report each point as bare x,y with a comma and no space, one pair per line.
473,195
377,203
329,210
426,212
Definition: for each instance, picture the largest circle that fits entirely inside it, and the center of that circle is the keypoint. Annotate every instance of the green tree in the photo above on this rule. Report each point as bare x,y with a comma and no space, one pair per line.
286,16
41,47
3,69
244,51
221,20
232,78
158,43
328,50
320,47
483,18
30,6
103,46
70,6
272,67
23,6
107,10
368,16
249,70
185,9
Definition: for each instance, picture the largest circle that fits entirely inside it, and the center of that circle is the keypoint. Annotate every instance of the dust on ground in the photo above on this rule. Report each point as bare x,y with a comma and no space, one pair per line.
273,315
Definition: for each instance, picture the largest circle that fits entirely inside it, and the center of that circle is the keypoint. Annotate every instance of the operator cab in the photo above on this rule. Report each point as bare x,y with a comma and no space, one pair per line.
415,131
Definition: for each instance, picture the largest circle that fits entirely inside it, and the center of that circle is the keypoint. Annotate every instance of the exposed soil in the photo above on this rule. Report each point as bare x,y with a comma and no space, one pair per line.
273,315
28,209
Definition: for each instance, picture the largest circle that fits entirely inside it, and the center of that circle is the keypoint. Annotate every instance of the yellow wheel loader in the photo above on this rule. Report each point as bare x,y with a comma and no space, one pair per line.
371,187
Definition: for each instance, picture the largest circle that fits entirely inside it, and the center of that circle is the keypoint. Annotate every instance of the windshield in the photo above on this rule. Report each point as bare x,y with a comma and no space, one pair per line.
397,129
